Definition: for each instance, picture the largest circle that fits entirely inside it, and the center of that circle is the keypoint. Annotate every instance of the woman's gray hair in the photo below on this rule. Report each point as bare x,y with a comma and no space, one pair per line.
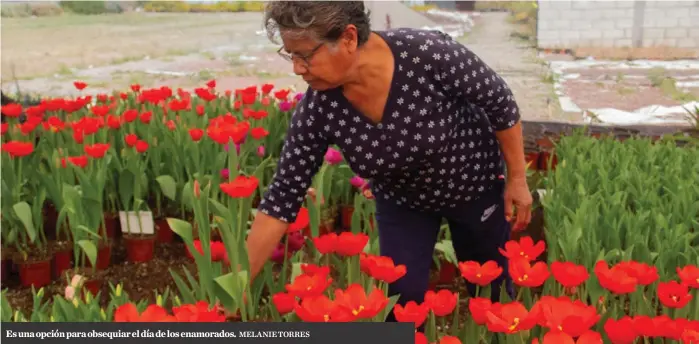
324,21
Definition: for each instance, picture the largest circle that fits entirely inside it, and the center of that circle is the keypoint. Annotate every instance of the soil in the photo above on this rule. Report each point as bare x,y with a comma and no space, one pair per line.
138,280
652,53
624,89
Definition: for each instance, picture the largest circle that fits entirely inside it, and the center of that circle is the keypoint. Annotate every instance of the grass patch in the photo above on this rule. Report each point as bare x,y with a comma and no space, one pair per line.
668,86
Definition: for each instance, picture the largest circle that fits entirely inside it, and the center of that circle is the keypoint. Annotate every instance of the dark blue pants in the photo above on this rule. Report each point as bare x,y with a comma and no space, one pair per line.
409,236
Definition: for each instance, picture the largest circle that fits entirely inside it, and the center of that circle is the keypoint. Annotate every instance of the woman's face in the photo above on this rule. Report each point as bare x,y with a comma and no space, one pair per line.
322,65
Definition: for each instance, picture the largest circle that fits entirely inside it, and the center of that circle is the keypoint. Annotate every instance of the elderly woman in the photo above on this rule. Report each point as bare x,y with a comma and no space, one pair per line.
415,112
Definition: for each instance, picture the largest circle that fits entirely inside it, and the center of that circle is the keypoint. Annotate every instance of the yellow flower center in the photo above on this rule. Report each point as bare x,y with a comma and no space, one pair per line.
326,318
523,278
478,275
356,312
514,325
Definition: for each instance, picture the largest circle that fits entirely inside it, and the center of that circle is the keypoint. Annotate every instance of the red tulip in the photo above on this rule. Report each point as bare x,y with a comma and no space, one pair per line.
284,302
350,244
509,318
620,331
411,312
308,285
479,308
569,274
689,276
616,280
481,275
326,244
302,220
643,273
381,268
17,148
673,294
525,248
442,303
320,308
240,187
153,313
572,317
356,300
526,275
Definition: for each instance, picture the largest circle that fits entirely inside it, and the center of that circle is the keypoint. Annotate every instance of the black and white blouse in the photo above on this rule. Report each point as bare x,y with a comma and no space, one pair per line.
435,146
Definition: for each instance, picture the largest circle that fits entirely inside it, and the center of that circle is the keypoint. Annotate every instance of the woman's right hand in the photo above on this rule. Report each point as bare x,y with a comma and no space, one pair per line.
265,234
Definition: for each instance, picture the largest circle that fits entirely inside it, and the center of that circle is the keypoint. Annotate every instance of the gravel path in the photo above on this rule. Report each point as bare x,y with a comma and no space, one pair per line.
518,63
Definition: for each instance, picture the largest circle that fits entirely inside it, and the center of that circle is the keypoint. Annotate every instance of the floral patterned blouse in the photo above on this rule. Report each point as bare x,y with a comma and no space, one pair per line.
435,146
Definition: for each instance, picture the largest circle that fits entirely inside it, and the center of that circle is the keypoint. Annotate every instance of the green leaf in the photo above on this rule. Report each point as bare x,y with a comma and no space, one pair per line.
125,188
90,250
185,291
232,284
219,209
182,228
296,270
24,213
389,307
168,186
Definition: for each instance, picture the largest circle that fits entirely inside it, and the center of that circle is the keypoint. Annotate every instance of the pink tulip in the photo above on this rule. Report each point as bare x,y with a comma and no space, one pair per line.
237,147
261,151
333,156
225,174
69,293
298,97
296,241
70,290
284,106
278,254
358,182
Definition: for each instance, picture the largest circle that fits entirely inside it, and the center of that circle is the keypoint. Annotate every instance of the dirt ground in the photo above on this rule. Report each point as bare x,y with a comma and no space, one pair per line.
110,52
113,51
44,46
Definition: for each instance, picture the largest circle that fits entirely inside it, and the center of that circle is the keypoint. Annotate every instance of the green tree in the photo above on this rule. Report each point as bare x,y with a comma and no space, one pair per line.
84,7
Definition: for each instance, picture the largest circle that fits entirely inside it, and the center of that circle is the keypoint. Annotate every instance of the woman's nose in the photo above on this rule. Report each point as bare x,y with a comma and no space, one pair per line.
299,67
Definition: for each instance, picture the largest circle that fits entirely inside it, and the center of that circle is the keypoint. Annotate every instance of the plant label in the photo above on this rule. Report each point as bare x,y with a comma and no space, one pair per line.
137,223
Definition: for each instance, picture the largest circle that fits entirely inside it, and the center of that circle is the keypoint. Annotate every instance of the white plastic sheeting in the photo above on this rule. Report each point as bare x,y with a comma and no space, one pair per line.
653,114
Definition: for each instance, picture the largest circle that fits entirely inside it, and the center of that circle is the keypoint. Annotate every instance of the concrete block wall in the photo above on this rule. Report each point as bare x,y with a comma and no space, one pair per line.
634,23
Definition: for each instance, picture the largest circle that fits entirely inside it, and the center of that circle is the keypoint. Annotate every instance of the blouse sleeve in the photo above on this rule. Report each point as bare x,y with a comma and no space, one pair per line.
300,159
463,74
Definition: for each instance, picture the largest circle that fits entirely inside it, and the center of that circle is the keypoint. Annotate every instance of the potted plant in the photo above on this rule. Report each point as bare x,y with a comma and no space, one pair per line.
111,212
25,214
85,219
137,223
92,180
165,198
9,234
343,194
52,176
445,261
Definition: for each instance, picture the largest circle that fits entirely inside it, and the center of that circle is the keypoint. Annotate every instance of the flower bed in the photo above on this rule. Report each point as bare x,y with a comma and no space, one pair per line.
148,164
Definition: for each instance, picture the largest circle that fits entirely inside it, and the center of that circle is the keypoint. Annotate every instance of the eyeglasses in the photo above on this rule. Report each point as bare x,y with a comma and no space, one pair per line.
306,58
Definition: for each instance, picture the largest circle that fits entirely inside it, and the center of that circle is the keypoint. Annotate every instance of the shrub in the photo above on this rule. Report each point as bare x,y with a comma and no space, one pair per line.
220,6
46,10
39,9
84,7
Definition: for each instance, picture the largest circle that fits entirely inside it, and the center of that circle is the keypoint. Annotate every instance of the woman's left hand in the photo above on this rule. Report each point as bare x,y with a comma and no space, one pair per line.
518,199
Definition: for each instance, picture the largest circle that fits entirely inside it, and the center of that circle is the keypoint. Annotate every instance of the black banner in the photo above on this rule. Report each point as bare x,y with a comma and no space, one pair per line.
210,333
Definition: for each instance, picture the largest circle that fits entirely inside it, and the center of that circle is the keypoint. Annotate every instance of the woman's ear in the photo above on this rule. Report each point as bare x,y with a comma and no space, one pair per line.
349,38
